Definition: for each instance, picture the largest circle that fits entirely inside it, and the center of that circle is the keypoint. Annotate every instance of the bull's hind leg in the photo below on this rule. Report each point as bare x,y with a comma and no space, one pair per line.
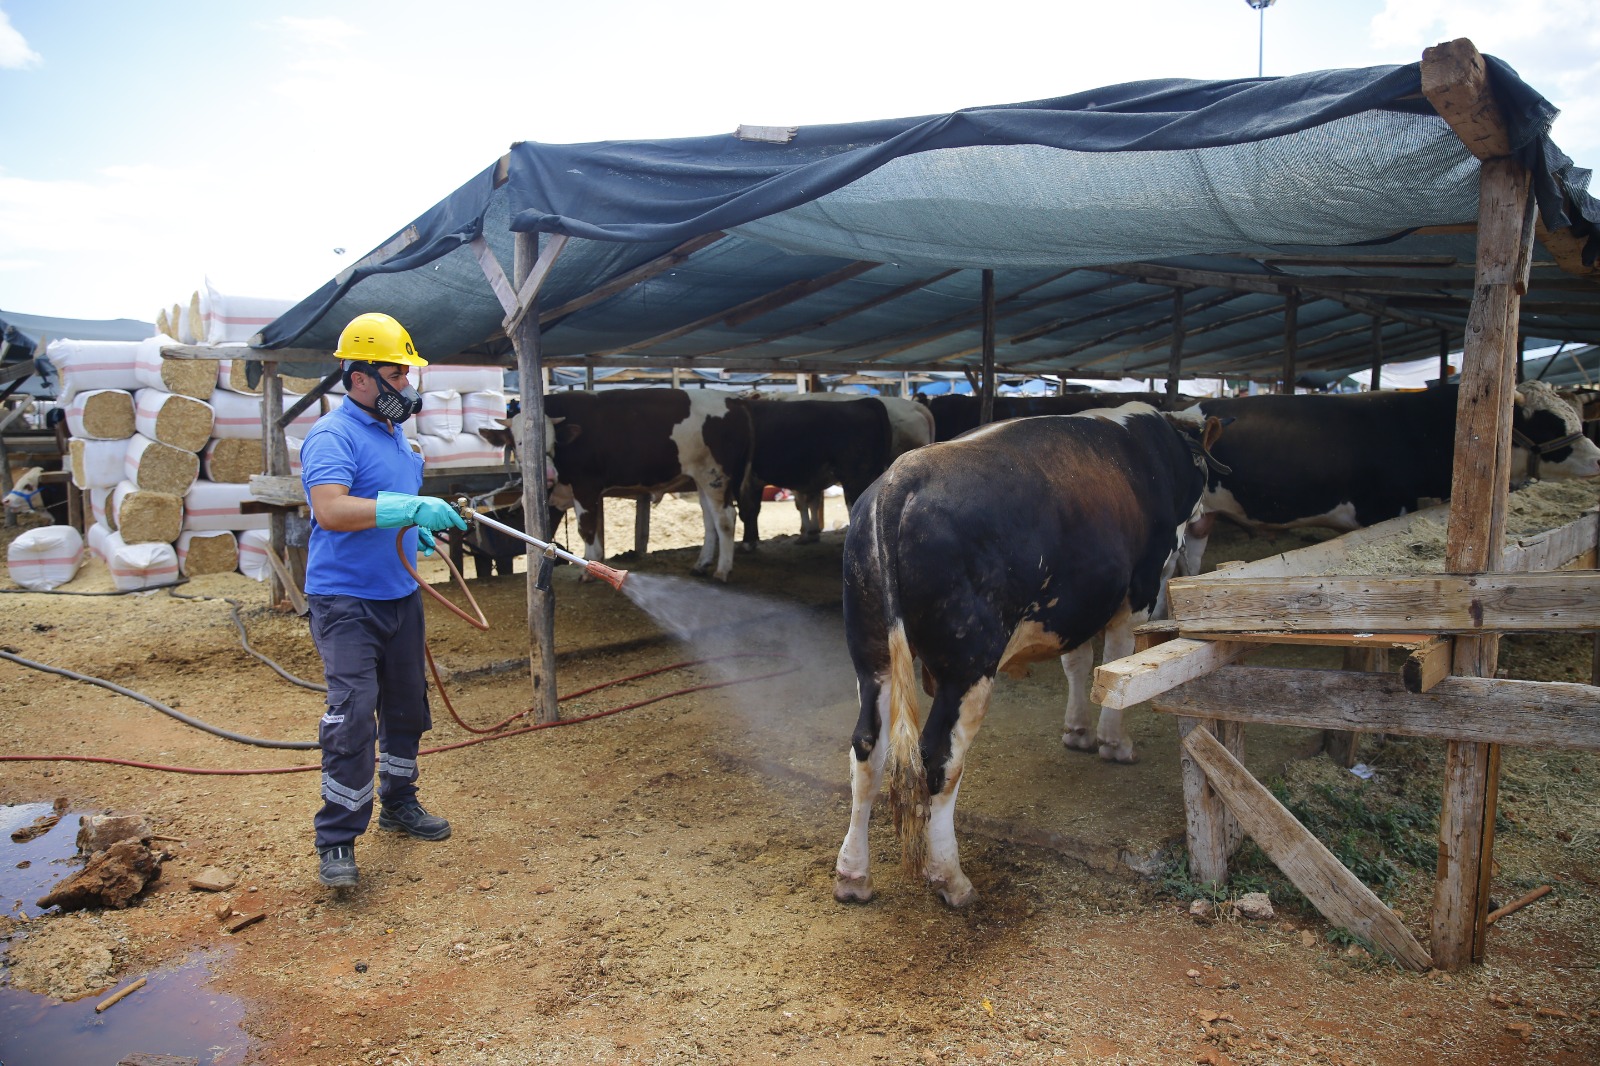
943,868
869,747
1078,664
1114,743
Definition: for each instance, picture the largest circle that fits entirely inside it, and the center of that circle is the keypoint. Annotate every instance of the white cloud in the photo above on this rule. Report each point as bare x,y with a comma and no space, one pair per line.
318,32
14,51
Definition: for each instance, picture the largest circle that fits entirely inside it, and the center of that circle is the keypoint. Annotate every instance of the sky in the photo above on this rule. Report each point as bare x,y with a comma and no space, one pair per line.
146,148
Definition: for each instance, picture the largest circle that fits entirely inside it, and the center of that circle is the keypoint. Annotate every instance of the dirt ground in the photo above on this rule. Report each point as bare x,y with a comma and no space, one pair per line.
655,886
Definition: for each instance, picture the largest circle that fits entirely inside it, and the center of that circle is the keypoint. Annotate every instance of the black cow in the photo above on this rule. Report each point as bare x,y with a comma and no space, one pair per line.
955,415
1347,461
808,446
1016,543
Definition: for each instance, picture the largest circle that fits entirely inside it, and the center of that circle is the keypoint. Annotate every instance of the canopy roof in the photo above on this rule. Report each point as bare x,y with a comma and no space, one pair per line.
862,246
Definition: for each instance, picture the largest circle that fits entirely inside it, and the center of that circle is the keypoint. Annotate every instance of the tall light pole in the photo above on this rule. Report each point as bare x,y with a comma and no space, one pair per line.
1261,31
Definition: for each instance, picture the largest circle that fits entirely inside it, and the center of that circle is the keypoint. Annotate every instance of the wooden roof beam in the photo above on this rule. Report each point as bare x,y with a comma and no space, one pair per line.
627,280
754,308
1164,322
1209,327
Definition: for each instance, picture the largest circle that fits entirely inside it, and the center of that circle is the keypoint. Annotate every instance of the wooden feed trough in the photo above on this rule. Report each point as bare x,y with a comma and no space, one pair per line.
1449,622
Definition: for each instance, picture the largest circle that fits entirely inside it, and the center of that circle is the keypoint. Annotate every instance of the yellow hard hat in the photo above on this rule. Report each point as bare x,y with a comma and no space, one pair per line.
377,338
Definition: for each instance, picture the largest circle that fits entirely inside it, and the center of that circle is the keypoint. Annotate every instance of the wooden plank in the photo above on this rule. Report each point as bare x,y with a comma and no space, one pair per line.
17,372
1328,556
234,351
1204,814
531,284
1450,603
1341,745
275,449
317,392
1135,678
1322,640
291,588
495,274
1333,890
1531,714
641,526
1427,665
1553,549
278,489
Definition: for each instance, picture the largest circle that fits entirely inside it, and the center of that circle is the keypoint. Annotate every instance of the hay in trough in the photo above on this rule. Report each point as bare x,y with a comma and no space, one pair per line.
232,460
158,467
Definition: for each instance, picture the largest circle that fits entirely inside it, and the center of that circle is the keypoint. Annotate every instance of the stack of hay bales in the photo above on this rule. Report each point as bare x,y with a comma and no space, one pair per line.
164,449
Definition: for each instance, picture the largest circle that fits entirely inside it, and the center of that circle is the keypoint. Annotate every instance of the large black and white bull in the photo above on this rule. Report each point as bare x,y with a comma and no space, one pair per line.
955,415
910,426
1016,543
808,446
1347,461
646,441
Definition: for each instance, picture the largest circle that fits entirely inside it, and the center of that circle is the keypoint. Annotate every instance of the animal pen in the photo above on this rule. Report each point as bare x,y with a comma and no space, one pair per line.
744,271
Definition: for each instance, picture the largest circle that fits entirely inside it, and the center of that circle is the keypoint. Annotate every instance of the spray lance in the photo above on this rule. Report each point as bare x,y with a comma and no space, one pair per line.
614,578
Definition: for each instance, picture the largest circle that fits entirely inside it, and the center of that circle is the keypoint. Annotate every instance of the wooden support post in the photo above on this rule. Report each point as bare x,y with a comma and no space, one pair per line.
530,375
6,482
1377,353
1291,340
641,526
986,398
1175,359
275,454
1205,816
588,378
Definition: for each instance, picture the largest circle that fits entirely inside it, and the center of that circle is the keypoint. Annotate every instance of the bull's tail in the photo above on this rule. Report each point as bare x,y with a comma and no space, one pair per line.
747,477
907,779
905,776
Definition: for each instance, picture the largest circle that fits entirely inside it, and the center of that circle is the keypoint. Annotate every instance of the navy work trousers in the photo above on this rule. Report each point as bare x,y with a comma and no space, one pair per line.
372,654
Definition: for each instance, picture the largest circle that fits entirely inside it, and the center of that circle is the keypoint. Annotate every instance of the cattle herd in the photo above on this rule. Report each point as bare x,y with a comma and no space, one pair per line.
974,550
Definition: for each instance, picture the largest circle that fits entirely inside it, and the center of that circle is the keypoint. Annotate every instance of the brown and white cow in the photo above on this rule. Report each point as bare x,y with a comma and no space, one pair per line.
910,427
1018,542
808,446
650,440
1347,461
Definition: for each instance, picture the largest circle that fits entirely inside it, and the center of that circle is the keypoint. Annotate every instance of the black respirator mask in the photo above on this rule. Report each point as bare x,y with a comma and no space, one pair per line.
392,405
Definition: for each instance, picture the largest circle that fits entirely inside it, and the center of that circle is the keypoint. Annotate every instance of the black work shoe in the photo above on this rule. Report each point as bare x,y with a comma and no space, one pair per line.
410,818
338,867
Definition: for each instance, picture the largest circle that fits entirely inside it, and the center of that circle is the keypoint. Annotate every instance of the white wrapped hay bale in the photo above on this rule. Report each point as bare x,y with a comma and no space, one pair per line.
145,517
293,444
158,467
186,377
232,459
98,532
96,464
211,505
46,557
237,416
234,376
253,547
139,566
207,552
461,450
100,505
181,421
440,415
482,410
462,379
101,414
86,365
226,318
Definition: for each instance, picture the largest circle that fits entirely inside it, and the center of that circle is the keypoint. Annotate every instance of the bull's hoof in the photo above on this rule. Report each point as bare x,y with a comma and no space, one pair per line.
957,893
721,575
1079,740
700,569
1122,753
808,538
584,577
848,889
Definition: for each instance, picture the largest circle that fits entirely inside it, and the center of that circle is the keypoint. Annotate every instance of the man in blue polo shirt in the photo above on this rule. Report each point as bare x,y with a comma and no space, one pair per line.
361,477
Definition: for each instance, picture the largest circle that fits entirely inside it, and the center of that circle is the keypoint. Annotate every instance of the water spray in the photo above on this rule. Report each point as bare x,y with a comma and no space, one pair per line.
612,577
